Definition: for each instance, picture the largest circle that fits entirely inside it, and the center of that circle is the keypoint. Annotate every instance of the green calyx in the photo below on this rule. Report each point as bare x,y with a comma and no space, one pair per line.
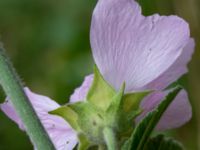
104,108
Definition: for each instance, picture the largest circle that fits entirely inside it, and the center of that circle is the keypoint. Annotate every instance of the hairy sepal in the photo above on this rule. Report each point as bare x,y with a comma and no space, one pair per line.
103,107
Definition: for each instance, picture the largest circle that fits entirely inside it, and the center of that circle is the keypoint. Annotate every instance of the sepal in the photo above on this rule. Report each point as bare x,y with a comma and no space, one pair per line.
103,107
69,115
83,142
100,93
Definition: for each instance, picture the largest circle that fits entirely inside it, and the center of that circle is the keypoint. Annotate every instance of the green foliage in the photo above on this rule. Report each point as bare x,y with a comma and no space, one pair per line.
143,130
160,142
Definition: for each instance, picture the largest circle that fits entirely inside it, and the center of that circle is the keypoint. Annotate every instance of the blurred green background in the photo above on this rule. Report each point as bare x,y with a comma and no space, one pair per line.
48,43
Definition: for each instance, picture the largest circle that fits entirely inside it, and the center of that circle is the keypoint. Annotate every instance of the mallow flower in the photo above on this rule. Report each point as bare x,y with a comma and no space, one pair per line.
147,53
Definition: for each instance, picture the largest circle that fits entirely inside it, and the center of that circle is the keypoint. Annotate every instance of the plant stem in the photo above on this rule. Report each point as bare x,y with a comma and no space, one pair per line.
109,137
14,90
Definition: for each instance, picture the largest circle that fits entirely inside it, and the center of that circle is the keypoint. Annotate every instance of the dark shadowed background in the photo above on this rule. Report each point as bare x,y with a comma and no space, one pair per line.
48,43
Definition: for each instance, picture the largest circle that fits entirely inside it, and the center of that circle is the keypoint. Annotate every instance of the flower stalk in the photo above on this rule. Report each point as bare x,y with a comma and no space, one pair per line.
14,90
109,137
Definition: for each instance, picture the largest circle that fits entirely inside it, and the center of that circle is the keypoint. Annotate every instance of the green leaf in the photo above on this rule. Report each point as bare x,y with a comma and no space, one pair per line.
162,143
68,114
137,135
100,93
83,142
143,130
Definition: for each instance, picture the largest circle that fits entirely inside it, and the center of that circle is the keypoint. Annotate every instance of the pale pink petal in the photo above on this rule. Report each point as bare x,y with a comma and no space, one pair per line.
176,70
178,113
130,47
59,131
145,52
8,109
80,93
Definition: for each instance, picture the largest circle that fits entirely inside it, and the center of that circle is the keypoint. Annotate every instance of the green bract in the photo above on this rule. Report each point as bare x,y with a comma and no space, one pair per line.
104,107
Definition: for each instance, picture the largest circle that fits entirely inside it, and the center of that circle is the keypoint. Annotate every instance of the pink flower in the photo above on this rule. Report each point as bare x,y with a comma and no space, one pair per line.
148,53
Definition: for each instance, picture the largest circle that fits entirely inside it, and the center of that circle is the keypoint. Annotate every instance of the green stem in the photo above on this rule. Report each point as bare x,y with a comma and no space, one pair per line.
14,90
109,137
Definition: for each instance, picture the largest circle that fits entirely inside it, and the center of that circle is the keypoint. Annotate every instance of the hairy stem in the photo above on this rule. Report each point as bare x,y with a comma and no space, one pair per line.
109,137
14,90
